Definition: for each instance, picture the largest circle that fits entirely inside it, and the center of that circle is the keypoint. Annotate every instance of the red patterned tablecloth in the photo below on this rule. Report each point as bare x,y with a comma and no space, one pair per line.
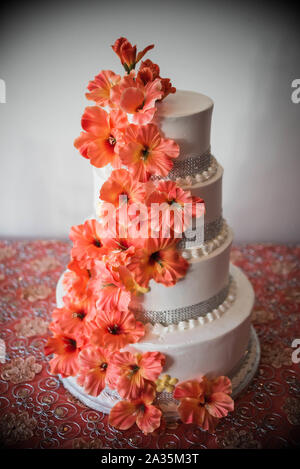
37,412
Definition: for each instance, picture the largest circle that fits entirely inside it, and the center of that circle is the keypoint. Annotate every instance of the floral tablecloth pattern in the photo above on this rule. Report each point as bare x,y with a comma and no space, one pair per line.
37,412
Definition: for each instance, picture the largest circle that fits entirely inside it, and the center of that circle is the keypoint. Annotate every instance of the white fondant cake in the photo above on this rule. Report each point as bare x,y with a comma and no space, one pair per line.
202,324
186,117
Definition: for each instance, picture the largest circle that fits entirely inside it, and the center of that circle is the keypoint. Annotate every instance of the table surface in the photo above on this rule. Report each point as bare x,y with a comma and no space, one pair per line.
37,412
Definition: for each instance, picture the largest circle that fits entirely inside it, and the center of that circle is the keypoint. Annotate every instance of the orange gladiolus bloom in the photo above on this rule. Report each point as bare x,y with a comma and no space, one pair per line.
122,183
99,142
130,372
127,53
94,365
66,348
126,413
73,317
204,402
111,286
121,251
100,88
114,329
159,260
145,152
149,71
87,242
76,280
137,99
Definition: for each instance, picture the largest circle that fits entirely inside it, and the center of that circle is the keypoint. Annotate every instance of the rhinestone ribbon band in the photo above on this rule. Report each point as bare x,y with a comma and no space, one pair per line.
174,316
189,166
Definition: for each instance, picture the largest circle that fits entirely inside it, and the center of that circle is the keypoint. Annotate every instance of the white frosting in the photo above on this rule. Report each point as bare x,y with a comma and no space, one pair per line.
213,349
205,278
211,192
186,117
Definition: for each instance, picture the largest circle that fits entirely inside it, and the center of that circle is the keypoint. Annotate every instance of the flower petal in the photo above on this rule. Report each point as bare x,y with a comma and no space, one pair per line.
123,415
149,419
219,404
152,364
222,384
190,411
94,121
131,100
191,388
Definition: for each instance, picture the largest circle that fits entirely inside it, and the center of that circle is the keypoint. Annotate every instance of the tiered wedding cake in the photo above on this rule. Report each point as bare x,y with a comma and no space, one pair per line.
200,323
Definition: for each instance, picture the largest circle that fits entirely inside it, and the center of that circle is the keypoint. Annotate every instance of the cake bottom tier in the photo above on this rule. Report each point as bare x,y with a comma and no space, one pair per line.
227,345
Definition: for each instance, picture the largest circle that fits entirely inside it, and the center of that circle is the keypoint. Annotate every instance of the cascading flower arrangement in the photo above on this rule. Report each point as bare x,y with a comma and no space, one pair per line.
111,264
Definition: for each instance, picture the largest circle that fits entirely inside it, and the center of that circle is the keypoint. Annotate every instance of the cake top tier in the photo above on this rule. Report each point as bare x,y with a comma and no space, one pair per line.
184,103
186,117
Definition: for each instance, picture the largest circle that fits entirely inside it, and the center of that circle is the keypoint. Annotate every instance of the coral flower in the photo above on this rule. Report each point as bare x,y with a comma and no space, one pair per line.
149,71
127,53
73,318
137,99
158,260
94,365
65,348
131,371
204,402
115,329
76,280
121,251
140,101
122,183
103,133
147,417
177,207
87,242
100,87
110,287
145,152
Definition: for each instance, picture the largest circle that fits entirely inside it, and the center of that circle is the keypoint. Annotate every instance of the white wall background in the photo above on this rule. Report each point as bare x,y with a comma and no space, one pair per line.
245,58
